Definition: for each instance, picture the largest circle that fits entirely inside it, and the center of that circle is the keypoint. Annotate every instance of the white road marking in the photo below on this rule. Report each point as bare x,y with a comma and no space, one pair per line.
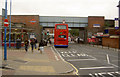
69,51
96,75
108,60
74,52
63,55
68,55
65,52
91,75
95,68
111,74
114,65
92,57
72,55
117,73
78,54
61,52
101,74
54,54
79,59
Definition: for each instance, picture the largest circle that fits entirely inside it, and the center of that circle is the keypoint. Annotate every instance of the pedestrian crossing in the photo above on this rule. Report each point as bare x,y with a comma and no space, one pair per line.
72,54
105,74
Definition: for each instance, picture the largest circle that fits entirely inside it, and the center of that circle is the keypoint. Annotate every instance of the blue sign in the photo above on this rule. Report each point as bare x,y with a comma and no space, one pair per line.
96,25
116,23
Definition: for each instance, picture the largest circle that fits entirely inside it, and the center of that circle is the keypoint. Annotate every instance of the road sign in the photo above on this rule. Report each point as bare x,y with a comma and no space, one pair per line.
6,22
33,21
96,25
116,23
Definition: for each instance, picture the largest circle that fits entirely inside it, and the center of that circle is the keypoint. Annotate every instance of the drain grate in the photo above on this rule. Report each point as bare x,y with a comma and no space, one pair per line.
21,61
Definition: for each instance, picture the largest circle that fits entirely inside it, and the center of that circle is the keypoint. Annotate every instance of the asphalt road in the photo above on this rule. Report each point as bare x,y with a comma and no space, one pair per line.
92,61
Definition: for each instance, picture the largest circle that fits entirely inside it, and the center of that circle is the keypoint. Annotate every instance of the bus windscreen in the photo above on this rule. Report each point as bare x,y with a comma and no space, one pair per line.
61,26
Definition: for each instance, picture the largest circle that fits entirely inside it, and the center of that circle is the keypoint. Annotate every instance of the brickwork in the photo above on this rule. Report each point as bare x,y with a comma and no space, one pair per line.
111,42
26,19
95,20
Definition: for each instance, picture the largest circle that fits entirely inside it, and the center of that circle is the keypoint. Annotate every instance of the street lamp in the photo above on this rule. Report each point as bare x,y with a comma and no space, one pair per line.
5,46
119,21
10,26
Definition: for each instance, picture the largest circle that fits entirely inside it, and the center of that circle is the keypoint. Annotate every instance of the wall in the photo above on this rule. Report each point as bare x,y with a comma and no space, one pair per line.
26,20
112,42
95,20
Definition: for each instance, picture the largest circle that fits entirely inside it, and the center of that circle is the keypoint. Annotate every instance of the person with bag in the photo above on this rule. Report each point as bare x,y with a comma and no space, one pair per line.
41,46
26,44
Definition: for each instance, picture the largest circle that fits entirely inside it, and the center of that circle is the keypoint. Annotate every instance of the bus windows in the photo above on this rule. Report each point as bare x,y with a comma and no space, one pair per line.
61,26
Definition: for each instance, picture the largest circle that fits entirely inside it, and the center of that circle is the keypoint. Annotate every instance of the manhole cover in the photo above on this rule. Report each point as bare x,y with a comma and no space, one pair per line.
22,61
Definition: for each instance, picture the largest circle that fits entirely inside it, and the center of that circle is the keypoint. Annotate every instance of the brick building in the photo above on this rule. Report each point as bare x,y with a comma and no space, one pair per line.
22,27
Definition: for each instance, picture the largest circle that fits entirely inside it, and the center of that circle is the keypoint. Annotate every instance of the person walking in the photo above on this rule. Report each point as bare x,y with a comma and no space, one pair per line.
41,46
32,44
26,42
35,42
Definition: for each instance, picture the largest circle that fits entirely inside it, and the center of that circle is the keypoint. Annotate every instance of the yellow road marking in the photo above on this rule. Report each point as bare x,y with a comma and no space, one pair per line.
38,68
76,72
73,67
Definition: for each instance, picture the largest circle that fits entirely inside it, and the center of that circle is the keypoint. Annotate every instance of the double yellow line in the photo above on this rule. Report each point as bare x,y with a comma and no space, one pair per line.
76,72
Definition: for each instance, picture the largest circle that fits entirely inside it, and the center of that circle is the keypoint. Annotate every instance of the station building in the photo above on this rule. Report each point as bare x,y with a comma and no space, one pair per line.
28,26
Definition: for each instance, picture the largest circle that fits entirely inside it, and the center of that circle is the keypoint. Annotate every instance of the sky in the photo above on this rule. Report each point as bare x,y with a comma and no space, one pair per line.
77,8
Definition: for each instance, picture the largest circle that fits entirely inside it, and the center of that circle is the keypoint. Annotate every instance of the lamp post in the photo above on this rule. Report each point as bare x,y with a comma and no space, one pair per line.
10,25
119,21
5,46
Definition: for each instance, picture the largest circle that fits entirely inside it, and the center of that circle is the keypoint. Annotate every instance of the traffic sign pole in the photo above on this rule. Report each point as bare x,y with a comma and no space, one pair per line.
5,46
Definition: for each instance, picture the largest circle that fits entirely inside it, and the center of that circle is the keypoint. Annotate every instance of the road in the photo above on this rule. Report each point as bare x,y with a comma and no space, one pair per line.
91,61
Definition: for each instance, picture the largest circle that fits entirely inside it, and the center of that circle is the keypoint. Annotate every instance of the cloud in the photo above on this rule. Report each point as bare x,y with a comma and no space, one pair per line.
82,8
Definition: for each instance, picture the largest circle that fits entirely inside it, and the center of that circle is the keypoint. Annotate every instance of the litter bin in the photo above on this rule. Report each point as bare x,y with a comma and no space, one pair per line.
18,43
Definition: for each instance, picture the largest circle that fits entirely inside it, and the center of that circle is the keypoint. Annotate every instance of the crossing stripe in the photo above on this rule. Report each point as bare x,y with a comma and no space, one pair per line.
95,68
79,59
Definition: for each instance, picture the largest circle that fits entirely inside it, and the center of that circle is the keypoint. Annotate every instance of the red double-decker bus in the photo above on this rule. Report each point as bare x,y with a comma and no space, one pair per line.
61,35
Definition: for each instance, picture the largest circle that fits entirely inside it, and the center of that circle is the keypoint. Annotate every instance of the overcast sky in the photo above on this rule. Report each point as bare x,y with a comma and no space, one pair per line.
79,8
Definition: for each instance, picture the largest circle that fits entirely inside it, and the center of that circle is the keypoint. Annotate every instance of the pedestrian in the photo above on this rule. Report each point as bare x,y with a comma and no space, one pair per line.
32,44
26,42
35,42
41,46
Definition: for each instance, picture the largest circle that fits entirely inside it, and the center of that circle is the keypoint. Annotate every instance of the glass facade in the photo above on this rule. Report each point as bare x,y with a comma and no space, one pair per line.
50,21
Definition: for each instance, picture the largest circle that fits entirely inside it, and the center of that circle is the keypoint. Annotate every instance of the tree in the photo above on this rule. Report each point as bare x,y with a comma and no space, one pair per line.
74,32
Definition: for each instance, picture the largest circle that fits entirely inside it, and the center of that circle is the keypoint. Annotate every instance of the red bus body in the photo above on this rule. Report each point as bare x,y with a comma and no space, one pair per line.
61,35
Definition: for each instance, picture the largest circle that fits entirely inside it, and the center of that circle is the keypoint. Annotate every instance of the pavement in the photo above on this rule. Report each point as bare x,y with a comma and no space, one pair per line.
49,62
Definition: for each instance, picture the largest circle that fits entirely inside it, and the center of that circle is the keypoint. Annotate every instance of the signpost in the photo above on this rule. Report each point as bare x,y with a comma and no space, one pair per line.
6,25
5,46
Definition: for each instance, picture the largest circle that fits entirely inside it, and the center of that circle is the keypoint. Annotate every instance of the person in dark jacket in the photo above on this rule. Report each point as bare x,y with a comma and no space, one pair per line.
41,46
32,44
26,44
35,42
